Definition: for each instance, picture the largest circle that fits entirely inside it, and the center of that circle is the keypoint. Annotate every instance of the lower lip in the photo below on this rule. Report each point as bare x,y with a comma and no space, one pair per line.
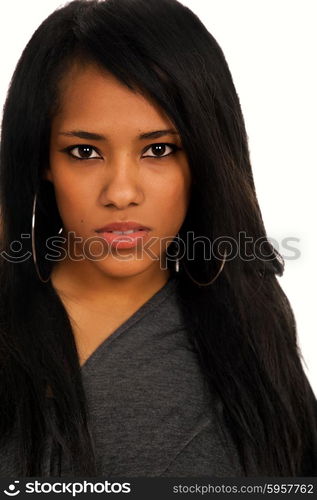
124,240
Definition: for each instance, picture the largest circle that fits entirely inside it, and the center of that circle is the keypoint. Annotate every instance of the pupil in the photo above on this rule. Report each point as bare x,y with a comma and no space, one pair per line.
84,151
160,148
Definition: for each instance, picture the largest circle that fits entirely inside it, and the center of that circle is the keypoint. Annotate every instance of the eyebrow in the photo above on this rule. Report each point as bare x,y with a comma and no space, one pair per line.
83,134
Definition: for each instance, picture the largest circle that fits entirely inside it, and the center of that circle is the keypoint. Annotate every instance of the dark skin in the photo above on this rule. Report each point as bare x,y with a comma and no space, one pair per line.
122,179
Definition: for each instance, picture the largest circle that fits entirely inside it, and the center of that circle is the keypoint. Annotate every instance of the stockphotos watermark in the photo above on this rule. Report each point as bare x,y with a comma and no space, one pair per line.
73,488
157,488
94,248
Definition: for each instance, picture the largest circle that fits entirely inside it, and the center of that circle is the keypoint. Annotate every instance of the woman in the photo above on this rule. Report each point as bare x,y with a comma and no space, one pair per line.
130,363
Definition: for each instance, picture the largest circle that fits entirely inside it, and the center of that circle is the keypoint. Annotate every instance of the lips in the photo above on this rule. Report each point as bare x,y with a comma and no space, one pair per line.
122,226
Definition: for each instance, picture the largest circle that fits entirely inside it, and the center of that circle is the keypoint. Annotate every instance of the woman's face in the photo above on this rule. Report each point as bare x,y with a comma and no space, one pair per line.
118,176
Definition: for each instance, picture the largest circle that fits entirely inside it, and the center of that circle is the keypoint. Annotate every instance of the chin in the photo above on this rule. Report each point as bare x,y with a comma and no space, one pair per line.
121,268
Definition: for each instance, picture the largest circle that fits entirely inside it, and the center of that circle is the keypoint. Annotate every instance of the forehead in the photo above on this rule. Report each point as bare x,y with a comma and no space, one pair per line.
91,95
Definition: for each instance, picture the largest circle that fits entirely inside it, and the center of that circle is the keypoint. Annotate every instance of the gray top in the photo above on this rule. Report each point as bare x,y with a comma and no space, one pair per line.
150,411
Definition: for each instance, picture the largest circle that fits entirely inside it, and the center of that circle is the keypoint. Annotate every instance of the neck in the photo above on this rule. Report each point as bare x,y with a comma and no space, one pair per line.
87,281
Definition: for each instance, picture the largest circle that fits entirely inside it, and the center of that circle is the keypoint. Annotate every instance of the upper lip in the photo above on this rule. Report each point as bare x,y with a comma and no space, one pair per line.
122,226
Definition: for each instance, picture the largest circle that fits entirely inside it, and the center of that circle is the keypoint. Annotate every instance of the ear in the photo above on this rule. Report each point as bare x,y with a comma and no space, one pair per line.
47,175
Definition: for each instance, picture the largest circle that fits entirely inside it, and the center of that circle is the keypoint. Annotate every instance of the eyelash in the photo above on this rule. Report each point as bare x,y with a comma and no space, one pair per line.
68,150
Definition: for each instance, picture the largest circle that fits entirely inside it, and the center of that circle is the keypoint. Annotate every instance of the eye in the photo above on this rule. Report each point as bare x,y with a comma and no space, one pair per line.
83,152
159,149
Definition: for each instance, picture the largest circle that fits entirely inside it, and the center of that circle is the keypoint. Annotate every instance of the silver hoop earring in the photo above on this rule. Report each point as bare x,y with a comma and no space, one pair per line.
177,261
33,242
197,282
177,265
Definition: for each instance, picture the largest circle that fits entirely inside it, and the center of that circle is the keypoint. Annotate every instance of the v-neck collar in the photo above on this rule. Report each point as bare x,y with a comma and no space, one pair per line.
142,311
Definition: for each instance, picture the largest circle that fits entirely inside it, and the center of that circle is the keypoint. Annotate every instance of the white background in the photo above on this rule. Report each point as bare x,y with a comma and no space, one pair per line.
270,46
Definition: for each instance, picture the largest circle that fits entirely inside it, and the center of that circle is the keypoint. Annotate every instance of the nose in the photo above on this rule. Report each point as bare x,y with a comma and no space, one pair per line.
122,186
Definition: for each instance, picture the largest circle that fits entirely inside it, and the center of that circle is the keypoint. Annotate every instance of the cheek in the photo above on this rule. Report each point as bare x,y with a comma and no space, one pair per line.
68,193
73,198
174,199
174,192
169,199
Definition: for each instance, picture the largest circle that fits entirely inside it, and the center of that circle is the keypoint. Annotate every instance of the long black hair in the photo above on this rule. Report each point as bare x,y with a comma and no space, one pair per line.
242,326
